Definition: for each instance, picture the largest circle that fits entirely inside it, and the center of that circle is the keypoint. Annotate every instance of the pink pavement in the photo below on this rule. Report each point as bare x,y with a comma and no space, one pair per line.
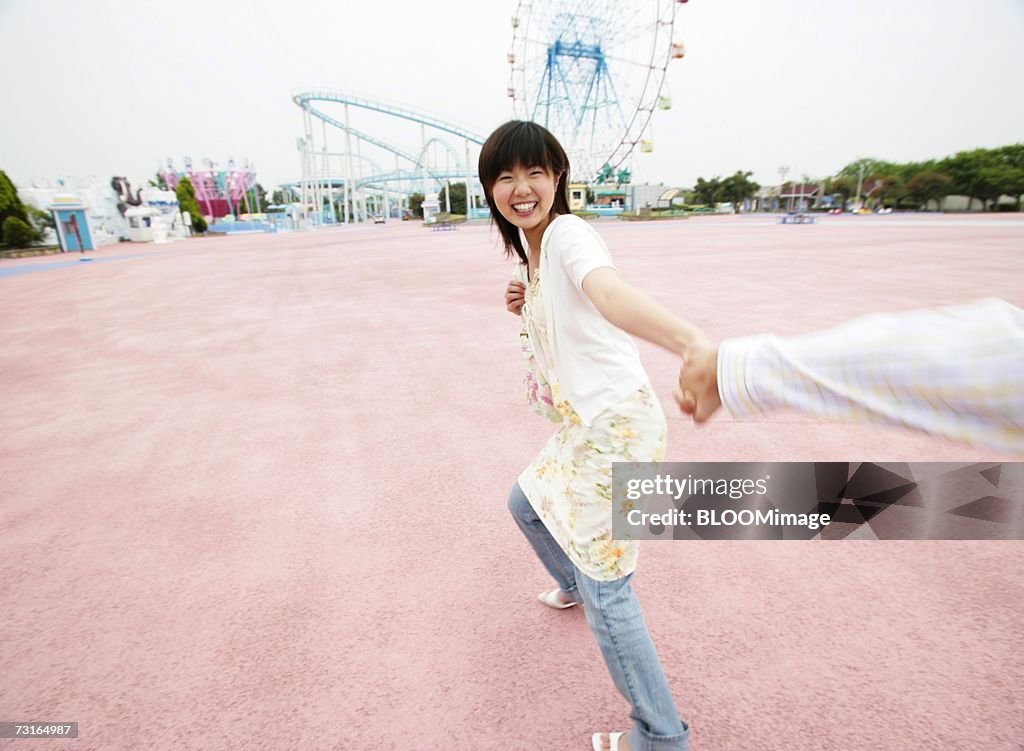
253,497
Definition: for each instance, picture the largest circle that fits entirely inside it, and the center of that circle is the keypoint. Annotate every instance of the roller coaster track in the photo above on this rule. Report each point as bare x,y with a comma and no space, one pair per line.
304,97
375,141
393,176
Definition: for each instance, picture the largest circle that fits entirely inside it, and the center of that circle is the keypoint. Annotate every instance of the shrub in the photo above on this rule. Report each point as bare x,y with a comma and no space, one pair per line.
187,202
41,220
18,233
10,204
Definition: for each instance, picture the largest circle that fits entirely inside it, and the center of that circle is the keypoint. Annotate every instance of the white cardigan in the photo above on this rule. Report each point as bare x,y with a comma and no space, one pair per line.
596,364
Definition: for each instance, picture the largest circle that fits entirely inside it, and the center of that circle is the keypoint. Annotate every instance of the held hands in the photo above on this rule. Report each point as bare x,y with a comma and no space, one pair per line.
697,393
515,296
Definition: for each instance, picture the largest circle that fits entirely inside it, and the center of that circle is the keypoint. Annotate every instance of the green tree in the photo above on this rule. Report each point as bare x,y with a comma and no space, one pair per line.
1012,158
708,192
842,186
41,220
254,201
416,204
909,170
738,188
282,197
458,198
17,232
996,180
976,174
889,190
1015,187
158,181
187,202
10,206
261,198
928,186
979,174
864,170
960,168
1002,173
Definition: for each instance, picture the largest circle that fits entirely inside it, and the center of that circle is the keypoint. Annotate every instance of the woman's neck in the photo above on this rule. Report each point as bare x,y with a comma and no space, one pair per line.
534,235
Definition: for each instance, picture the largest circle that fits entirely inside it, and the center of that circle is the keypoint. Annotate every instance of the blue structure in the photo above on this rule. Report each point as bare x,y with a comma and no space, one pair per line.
319,184
575,77
593,74
72,223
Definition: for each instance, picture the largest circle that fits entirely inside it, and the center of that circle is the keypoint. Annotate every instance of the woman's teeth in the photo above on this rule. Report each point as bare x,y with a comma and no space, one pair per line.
524,208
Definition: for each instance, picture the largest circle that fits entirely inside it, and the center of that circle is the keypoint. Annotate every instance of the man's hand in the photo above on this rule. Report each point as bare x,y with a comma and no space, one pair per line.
515,296
697,393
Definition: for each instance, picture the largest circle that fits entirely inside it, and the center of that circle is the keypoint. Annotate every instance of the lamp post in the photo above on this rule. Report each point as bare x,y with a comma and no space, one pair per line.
783,171
860,179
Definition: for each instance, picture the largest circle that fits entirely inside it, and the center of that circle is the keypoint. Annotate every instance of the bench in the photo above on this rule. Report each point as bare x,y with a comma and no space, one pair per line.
797,219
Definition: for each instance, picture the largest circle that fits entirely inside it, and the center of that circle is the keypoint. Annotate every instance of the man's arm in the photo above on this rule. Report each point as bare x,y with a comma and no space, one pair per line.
956,372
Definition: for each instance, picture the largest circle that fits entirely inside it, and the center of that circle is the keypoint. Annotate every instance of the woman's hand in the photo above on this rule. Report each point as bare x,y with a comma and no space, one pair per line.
515,297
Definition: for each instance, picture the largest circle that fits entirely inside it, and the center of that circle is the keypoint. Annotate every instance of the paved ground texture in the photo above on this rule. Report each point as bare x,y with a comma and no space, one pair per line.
253,497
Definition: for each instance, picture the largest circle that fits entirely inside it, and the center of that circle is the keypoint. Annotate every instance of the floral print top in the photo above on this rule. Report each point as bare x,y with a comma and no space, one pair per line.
569,484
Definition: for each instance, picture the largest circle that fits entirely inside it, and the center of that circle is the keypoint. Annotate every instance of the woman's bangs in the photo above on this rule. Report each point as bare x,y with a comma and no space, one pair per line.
526,147
516,144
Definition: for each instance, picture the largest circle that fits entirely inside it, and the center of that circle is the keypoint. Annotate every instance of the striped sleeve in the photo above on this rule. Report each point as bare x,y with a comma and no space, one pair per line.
956,372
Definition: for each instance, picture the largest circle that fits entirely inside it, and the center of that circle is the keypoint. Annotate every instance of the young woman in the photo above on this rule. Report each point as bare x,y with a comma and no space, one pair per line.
578,315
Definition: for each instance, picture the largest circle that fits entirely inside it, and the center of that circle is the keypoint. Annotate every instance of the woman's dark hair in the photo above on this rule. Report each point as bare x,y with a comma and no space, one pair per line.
519,143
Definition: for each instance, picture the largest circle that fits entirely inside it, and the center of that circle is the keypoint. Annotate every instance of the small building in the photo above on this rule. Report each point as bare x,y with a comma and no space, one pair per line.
767,199
671,197
140,223
577,196
431,208
613,197
645,196
72,223
800,197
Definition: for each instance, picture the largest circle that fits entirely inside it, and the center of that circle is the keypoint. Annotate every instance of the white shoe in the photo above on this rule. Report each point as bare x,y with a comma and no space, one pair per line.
613,741
552,600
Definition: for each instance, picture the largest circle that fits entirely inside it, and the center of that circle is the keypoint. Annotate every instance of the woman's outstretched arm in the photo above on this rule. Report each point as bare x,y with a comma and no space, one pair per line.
638,314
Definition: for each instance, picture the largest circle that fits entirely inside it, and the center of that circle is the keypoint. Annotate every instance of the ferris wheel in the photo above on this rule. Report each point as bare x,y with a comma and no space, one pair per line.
593,73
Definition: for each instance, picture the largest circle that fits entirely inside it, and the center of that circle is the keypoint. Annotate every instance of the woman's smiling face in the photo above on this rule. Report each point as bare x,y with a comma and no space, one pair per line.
525,195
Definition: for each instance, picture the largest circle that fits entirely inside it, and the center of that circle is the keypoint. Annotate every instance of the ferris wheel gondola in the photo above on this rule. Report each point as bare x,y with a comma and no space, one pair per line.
593,73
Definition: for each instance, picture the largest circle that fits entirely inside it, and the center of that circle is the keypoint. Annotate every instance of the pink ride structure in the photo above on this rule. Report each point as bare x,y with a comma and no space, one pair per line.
219,193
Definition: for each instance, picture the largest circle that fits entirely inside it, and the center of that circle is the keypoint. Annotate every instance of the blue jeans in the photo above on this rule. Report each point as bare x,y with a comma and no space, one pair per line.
614,616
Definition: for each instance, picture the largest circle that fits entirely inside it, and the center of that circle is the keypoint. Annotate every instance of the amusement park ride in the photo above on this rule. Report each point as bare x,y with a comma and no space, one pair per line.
219,193
365,189
594,74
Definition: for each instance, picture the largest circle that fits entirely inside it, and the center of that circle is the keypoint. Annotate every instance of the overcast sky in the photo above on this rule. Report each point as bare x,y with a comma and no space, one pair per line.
115,88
